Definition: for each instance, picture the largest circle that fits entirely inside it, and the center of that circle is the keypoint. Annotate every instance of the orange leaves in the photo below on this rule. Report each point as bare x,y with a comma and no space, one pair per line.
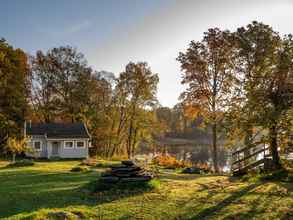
170,162
192,111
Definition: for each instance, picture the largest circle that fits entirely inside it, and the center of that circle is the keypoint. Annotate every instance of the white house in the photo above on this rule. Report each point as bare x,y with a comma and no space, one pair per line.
58,140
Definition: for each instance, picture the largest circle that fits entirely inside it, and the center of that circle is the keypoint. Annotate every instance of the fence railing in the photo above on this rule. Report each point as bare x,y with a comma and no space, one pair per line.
248,158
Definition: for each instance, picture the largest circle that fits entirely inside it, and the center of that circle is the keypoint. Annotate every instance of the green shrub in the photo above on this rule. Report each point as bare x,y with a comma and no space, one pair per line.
290,178
79,169
279,175
22,163
102,186
128,187
102,165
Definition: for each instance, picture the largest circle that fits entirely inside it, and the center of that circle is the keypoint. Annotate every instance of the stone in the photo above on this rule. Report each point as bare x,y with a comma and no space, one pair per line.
136,179
118,166
127,162
126,172
109,179
106,174
125,169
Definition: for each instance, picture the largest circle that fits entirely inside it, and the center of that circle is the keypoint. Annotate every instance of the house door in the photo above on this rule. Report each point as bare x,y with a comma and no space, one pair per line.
55,148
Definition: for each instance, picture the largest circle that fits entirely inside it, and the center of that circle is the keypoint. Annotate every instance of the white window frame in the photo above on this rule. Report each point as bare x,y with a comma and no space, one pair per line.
84,144
41,145
65,147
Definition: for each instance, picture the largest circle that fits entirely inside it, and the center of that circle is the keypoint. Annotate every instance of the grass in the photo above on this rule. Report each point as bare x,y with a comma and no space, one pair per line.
21,163
48,190
80,169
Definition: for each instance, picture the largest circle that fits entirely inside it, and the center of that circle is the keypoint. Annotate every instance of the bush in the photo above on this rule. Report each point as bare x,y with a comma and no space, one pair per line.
170,162
22,163
103,164
279,175
79,169
290,178
128,187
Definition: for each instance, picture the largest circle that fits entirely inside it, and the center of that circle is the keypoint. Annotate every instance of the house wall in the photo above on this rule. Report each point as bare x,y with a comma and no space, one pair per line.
34,153
46,148
74,152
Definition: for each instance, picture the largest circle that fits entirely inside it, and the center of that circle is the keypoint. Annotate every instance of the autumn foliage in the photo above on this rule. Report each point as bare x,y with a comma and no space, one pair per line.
170,162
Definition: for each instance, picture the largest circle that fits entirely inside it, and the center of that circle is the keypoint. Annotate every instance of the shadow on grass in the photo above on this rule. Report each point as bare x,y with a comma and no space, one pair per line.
105,192
29,191
205,213
26,191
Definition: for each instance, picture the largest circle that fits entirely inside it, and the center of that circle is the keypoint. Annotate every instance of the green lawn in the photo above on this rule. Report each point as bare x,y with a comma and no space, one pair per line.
38,191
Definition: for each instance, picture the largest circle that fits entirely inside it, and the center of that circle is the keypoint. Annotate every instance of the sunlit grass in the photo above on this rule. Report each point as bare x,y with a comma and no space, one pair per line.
49,188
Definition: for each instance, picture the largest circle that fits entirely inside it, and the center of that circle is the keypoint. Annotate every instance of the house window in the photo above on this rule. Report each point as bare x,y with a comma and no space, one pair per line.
37,145
80,144
68,144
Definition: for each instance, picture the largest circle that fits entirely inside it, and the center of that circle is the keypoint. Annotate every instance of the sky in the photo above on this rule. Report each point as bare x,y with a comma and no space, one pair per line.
112,33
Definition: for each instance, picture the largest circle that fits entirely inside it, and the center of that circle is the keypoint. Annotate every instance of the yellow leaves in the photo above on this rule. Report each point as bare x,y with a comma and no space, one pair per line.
169,162
2,56
192,111
15,145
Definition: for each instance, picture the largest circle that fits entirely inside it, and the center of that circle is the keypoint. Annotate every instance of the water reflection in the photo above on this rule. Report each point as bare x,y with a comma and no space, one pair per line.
187,150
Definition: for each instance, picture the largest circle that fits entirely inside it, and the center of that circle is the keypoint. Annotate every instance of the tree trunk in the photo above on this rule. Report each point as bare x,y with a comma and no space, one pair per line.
13,158
215,153
130,131
273,134
247,143
134,141
129,142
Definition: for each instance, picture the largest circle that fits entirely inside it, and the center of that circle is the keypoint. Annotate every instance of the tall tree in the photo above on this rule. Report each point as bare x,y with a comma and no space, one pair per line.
99,115
14,90
266,61
44,98
139,84
62,83
208,71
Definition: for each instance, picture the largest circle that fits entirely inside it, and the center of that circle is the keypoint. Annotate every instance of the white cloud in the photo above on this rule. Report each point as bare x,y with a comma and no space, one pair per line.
83,25
58,32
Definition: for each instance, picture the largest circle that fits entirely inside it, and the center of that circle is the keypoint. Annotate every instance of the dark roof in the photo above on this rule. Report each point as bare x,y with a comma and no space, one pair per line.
58,130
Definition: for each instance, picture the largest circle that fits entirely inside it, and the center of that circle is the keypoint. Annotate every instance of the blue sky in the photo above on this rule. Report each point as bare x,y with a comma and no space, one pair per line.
34,24
113,32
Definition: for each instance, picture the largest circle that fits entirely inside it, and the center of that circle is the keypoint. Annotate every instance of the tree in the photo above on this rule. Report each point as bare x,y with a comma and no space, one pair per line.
208,71
62,84
16,146
14,90
266,65
100,115
138,84
44,98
